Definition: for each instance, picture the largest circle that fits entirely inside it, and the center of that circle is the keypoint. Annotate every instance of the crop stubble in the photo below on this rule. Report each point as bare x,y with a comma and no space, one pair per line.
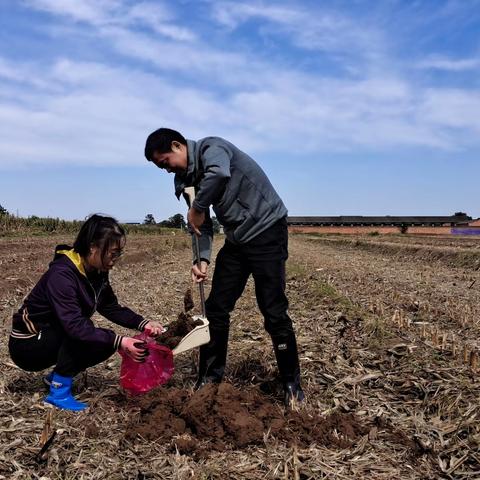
413,406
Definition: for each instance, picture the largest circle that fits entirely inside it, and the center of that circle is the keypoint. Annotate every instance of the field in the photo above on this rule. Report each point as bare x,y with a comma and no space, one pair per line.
388,331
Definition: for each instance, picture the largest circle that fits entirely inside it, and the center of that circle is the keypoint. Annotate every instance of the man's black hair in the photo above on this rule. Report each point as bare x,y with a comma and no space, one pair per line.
161,141
99,231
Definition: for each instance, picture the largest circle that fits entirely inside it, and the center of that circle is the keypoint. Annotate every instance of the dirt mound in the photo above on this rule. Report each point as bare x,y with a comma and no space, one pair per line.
177,329
184,324
229,418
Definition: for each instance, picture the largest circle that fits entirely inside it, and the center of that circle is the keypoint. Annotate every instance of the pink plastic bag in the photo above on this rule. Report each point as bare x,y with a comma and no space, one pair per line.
137,378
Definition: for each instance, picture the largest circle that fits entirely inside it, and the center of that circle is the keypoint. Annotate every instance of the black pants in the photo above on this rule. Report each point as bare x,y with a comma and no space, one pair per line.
53,348
264,258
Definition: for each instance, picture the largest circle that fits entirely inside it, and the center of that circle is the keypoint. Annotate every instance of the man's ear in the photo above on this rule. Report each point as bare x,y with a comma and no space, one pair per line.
175,146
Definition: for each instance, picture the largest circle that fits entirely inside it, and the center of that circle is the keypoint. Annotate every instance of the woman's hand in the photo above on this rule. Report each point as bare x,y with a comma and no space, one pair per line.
200,274
154,329
134,348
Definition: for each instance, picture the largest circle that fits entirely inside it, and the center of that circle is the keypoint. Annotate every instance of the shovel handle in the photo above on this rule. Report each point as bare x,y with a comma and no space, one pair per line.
190,192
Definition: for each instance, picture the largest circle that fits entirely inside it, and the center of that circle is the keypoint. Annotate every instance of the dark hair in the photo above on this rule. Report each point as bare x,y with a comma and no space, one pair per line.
161,141
99,231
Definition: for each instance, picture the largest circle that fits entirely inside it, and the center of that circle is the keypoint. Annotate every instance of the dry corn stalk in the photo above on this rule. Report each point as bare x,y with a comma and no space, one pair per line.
474,360
454,346
466,354
47,428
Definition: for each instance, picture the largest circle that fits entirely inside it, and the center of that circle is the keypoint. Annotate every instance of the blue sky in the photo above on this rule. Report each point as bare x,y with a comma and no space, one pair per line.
351,107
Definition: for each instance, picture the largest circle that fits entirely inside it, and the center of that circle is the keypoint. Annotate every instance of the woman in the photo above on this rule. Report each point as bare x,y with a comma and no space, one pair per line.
53,326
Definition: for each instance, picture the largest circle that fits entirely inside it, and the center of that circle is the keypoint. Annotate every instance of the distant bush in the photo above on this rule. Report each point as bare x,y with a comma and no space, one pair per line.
156,229
177,221
33,225
373,234
149,219
10,224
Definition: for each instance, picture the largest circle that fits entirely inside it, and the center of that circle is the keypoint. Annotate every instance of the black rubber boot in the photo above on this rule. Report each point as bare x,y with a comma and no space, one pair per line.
213,357
293,393
288,366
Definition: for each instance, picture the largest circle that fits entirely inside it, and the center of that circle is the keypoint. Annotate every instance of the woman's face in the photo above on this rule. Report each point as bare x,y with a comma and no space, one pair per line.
94,260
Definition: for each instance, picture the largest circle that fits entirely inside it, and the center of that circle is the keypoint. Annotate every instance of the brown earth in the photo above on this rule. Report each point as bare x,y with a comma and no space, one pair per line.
177,329
230,418
188,301
413,402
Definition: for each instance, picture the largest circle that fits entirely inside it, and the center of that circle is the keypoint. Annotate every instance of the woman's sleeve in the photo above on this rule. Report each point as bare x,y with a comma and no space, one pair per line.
109,307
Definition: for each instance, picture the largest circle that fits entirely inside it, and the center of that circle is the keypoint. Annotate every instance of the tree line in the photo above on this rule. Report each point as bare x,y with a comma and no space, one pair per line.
176,221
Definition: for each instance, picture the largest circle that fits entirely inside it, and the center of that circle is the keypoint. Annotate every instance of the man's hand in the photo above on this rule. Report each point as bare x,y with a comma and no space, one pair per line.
195,219
154,329
134,348
200,274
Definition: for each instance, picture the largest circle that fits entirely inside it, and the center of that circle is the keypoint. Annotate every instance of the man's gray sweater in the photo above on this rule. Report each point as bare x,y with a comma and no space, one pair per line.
241,195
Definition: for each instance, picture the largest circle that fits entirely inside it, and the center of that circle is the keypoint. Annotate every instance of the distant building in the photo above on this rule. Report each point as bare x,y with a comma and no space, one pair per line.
458,224
468,228
475,223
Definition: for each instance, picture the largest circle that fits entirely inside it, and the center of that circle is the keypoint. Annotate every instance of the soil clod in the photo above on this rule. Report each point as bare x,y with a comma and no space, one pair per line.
188,301
230,418
177,329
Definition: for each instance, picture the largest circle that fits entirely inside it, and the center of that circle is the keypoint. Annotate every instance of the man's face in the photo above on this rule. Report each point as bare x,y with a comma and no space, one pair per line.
174,161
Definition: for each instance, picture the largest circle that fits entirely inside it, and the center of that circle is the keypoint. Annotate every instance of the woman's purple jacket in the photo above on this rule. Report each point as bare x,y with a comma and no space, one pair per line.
65,298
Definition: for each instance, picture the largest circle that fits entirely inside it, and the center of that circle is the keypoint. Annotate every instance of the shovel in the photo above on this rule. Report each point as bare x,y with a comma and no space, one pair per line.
201,334
190,192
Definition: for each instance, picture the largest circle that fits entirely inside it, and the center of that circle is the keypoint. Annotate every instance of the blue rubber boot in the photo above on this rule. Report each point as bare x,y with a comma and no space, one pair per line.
61,394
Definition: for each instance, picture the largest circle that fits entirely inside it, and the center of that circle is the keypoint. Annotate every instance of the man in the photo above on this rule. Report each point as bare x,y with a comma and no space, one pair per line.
254,221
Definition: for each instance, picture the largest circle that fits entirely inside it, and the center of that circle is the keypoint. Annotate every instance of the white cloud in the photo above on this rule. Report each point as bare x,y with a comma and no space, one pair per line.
116,13
161,20
96,12
314,29
452,108
449,64
68,110
233,14
102,115
171,56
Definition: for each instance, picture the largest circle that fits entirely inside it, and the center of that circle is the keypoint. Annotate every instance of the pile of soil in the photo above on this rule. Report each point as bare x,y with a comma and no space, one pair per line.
177,329
229,418
184,324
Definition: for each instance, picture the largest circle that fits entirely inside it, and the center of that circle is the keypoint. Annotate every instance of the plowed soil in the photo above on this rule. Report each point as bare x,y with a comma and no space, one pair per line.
388,332
230,418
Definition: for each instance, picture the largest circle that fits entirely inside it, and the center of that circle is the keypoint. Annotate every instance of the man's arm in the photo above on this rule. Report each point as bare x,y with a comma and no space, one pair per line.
216,167
206,234
205,240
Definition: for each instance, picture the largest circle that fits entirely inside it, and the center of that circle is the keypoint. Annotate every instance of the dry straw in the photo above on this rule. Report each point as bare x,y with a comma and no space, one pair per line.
411,384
